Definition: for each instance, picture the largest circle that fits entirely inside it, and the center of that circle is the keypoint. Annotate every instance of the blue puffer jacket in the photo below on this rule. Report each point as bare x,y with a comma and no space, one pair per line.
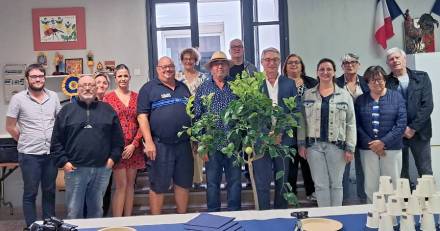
392,120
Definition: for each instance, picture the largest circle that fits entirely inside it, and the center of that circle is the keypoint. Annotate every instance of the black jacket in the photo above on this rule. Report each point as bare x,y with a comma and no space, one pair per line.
286,89
309,82
87,135
419,104
340,81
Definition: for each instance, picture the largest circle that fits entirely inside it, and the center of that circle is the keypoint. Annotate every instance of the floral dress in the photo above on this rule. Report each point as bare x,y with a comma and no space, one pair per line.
130,126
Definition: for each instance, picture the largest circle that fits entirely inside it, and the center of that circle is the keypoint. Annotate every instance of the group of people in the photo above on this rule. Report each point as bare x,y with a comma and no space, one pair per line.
374,119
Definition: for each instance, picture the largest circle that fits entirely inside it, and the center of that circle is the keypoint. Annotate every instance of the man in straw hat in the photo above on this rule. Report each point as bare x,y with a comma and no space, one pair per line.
218,84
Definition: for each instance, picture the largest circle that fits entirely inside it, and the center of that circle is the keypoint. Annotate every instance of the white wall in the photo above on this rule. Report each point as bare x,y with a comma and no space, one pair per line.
115,30
320,28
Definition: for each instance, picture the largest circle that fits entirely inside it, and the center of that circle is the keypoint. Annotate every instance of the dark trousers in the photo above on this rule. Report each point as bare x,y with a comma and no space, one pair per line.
306,174
265,170
219,162
36,169
421,151
360,189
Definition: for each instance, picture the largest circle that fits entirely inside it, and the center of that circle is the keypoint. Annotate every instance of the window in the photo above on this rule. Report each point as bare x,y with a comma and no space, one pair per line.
209,25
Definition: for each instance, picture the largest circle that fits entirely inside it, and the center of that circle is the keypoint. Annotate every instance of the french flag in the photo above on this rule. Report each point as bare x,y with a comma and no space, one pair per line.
386,12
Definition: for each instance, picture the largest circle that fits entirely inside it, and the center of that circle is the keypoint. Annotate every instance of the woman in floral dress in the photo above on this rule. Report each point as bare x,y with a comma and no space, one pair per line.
124,102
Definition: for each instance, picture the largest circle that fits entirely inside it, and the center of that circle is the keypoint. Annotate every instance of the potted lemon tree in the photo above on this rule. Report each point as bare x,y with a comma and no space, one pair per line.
253,123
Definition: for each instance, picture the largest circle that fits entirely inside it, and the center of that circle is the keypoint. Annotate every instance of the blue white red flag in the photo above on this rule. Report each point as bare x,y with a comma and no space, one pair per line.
386,12
436,8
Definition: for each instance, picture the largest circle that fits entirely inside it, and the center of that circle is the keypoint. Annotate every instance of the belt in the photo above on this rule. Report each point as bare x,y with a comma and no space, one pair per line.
310,140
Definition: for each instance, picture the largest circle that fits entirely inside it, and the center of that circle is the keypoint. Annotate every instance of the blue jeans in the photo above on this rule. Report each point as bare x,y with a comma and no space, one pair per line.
265,170
327,165
214,171
86,184
36,169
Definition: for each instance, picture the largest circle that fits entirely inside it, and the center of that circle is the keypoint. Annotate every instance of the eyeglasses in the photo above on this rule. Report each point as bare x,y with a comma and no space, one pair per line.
170,67
35,77
87,85
273,60
346,63
377,81
293,63
237,47
188,59
219,63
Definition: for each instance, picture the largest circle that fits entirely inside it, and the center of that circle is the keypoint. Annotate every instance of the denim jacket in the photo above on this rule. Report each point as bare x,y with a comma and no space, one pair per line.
342,120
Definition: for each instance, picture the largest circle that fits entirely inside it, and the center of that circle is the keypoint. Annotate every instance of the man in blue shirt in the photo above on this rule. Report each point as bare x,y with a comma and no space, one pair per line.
161,115
223,96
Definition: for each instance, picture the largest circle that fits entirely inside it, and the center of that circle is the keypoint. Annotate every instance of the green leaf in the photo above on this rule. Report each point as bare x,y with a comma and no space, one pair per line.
291,199
289,187
279,175
190,107
201,149
290,133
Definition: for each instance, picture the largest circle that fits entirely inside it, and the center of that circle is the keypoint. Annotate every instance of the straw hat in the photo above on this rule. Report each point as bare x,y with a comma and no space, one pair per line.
218,56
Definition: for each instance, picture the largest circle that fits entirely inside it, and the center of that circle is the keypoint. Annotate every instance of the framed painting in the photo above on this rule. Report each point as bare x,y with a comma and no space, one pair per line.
59,28
74,66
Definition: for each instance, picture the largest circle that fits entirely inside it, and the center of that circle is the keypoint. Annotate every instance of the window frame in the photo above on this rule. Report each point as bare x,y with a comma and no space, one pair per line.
248,22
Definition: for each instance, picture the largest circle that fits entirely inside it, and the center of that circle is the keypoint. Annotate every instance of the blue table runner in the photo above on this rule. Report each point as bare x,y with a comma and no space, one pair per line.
353,222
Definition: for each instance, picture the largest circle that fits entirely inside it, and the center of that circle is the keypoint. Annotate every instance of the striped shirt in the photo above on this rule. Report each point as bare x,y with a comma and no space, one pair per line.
375,116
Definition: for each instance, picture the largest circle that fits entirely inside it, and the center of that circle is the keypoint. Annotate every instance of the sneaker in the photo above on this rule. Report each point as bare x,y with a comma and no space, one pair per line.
311,197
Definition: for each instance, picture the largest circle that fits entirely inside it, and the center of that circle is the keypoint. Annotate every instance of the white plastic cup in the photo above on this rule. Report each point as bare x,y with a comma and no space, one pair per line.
432,183
385,222
434,203
407,223
424,187
413,206
402,188
385,185
373,220
379,202
395,205
422,202
427,222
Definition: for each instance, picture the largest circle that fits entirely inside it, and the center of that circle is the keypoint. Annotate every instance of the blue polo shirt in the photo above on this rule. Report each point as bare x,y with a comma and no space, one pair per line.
166,109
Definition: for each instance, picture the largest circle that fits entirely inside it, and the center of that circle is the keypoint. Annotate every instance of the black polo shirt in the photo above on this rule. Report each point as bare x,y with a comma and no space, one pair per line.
166,109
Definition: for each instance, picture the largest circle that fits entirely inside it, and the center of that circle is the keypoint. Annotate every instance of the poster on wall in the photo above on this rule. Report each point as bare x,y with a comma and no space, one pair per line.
59,28
74,66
